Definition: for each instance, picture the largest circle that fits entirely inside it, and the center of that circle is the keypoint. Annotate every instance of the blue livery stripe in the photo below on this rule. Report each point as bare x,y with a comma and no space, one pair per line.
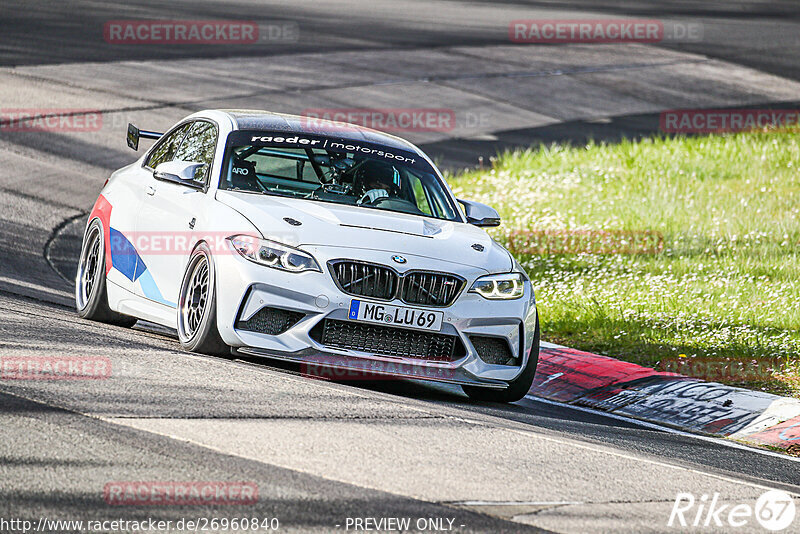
126,260
124,257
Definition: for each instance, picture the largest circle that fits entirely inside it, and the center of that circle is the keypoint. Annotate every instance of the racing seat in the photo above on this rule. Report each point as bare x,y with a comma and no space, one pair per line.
243,175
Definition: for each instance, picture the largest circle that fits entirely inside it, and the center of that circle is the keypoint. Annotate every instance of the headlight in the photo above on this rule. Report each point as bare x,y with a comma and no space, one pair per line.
275,255
500,286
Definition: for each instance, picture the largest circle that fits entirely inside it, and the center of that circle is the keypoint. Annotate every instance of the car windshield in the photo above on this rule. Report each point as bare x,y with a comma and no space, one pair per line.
334,170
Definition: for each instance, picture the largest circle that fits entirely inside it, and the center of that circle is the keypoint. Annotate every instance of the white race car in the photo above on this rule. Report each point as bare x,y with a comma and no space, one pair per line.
332,245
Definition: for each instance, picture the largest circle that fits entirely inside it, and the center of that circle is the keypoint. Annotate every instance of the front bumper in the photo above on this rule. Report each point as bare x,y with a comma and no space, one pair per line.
244,288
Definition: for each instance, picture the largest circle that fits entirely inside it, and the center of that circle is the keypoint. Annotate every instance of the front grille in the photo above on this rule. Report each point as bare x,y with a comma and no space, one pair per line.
365,279
272,321
493,350
431,289
388,341
380,282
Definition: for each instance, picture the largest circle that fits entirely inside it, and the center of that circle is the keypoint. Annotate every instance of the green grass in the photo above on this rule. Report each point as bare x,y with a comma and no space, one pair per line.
726,284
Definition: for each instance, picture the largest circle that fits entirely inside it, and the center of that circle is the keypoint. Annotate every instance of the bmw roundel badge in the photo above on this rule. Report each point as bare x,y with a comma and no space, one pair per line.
399,259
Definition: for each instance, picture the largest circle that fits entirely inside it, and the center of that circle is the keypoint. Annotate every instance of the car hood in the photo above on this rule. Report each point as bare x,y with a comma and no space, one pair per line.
335,225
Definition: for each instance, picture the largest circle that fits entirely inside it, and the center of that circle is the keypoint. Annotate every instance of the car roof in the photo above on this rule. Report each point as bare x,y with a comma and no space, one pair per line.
246,119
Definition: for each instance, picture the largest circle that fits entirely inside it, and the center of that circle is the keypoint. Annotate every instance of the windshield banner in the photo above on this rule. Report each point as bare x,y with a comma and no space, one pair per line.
329,144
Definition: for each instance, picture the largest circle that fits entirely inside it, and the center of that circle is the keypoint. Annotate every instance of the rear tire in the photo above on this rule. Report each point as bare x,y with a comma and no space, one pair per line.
197,306
91,295
518,387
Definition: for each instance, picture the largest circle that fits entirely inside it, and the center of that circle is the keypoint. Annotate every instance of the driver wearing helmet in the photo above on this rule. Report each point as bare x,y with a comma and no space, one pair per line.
375,181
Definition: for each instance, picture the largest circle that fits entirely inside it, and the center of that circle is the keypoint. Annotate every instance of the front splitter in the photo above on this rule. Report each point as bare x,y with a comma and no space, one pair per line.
338,367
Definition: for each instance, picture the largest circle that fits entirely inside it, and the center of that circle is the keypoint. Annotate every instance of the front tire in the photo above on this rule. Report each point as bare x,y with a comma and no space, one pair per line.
518,387
91,295
197,306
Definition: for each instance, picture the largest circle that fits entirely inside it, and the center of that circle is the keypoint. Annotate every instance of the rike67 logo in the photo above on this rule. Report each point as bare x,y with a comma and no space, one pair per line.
774,510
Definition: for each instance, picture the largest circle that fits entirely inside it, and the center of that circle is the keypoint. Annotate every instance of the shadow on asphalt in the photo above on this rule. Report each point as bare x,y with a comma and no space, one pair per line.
555,417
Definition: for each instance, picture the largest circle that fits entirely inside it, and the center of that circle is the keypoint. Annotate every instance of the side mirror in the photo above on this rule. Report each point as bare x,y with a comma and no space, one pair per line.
182,172
480,214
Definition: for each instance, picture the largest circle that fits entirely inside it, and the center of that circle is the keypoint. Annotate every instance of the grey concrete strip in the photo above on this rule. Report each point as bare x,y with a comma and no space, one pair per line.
422,460
55,464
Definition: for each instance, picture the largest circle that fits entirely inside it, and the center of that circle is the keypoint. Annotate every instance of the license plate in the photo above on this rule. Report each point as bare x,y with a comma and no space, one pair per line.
402,316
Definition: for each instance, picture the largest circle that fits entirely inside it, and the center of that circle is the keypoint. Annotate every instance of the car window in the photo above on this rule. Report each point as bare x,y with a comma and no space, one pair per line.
165,149
341,177
287,163
198,146
420,195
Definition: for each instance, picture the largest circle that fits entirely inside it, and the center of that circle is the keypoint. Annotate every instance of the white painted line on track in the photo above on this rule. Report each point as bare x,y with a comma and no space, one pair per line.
669,430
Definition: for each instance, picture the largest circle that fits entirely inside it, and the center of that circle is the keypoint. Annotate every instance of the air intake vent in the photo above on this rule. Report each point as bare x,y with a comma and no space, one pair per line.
493,350
272,321
388,341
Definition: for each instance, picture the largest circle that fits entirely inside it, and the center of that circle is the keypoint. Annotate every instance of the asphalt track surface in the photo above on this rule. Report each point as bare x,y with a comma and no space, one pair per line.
321,452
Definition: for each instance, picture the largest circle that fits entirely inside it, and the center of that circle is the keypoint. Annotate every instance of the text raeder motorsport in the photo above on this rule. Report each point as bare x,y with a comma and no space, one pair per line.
325,143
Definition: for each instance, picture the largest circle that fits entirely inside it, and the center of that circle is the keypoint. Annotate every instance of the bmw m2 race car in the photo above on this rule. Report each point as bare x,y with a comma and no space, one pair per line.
327,244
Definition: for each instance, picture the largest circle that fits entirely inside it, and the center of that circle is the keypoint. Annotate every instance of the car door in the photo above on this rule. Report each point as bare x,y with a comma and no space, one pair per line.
125,196
169,213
